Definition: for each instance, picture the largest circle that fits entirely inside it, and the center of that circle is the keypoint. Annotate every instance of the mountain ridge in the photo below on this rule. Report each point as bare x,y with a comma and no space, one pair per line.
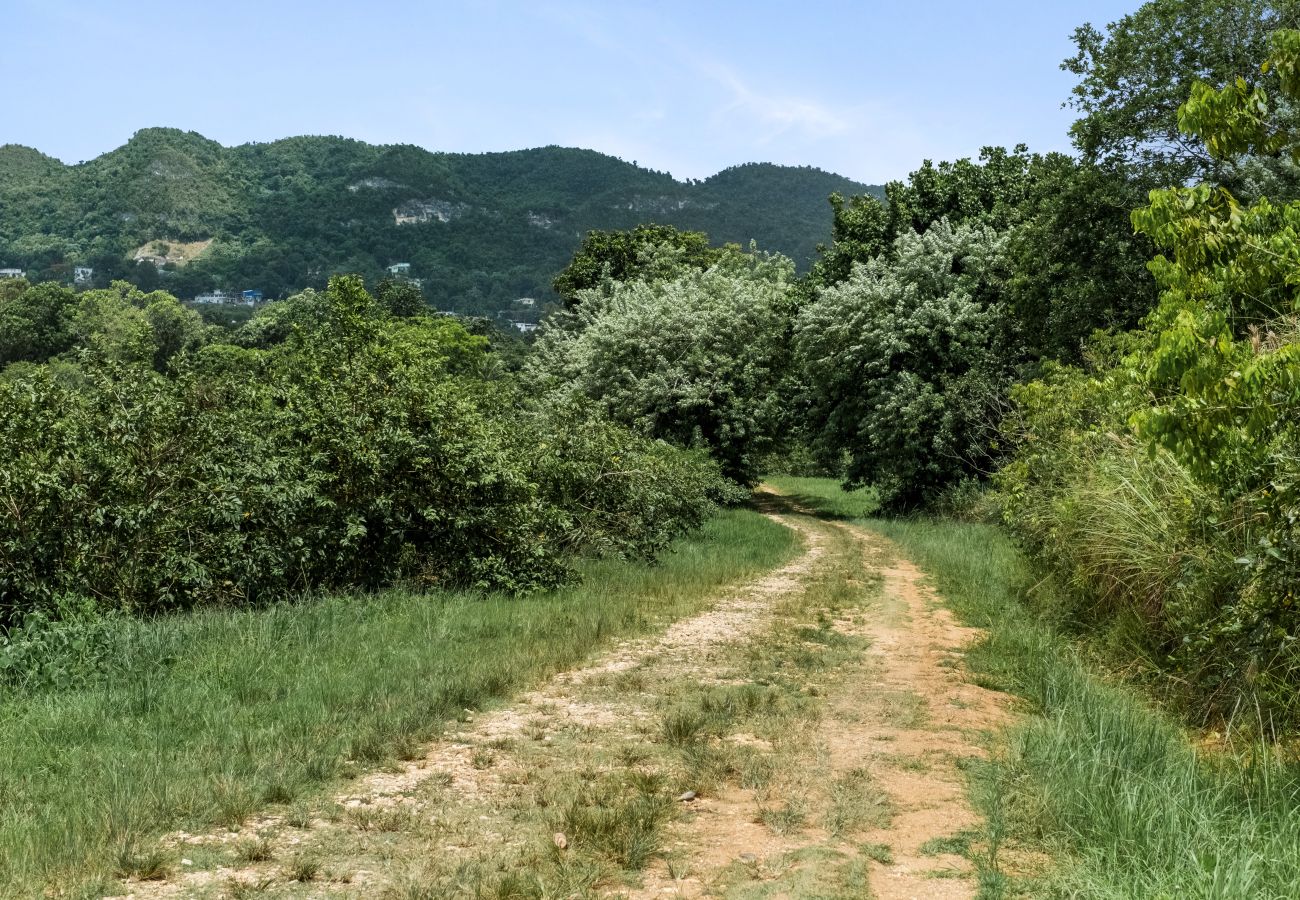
479,229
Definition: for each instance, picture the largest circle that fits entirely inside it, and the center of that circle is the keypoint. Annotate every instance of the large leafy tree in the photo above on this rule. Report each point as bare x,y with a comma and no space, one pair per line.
905,362
1226,369
1134,76
35,321
619,255
692,356
1078,267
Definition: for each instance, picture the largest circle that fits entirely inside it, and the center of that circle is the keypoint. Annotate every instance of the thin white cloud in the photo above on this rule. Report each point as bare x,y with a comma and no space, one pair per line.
775,114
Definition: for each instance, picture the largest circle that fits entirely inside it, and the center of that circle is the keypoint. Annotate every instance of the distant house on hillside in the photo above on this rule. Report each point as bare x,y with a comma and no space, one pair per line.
12,273
219,297
401,270
251,297
526,301
525,327
82,274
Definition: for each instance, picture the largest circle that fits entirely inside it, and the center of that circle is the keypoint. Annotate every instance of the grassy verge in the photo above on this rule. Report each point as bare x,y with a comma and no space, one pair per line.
1109,795
204,719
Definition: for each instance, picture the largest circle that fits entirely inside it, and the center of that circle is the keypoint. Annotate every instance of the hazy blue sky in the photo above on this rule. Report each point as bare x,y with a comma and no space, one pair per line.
866,89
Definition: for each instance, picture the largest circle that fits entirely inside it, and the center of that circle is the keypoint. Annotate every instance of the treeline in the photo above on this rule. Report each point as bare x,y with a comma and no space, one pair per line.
1100,350
1108,341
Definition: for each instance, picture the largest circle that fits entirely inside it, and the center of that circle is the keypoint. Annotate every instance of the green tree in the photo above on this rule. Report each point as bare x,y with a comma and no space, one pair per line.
400,298
861,230
905,363
618,255
1077,265
694,357
35,321
1134,77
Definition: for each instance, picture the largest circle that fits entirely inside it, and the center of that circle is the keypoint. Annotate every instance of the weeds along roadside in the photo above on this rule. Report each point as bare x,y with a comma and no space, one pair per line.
204,718
1097,793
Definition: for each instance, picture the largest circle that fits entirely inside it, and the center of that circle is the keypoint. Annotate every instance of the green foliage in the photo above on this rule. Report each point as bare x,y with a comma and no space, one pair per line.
1147,552
905,363
35,322
861,230
1077,265
619,493
694,357
989,192
359,450
119,324
620,256
1134,78
1165,483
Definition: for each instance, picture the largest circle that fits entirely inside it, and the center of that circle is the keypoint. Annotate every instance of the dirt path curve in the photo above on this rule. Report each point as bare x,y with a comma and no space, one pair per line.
799,738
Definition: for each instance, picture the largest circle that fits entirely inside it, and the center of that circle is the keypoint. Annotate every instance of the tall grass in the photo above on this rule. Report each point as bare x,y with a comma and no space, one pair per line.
1112,790
1108,786
205,718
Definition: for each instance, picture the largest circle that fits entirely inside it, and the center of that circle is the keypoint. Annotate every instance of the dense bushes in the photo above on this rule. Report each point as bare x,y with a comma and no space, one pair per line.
360,451
692,356
1166,482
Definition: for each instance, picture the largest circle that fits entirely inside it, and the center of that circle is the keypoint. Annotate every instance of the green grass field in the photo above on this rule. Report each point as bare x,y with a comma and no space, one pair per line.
1096,779
204,719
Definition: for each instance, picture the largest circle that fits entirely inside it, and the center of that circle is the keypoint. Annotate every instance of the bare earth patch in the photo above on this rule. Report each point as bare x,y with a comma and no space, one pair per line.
800,738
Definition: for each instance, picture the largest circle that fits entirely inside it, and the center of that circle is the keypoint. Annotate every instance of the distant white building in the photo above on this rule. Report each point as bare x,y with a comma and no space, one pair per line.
12,273
526,301
82,274
399,269
525,327
219,297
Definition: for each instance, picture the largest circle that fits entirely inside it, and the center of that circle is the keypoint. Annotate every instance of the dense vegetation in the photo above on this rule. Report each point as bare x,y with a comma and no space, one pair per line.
484,230
1123,358
334,444
999,315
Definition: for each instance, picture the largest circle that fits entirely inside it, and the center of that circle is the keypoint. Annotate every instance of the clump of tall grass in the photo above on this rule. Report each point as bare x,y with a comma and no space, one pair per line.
1149,555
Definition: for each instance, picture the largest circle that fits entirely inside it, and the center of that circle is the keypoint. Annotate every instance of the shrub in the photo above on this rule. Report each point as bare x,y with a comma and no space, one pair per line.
354,453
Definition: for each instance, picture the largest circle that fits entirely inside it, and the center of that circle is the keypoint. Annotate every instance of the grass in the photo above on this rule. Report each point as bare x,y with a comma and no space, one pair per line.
1096,780
825,497
207,718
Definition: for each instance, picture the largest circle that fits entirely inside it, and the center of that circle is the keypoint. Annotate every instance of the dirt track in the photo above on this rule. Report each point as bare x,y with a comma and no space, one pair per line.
830,715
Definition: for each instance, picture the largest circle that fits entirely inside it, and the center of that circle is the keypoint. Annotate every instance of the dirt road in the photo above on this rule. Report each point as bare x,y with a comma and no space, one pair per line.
803,737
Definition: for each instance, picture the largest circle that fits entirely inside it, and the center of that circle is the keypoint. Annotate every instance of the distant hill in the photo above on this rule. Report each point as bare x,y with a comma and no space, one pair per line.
479,230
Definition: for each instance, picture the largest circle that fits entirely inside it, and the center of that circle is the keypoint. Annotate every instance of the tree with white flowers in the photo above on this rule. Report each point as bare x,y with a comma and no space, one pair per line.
905,362
694,357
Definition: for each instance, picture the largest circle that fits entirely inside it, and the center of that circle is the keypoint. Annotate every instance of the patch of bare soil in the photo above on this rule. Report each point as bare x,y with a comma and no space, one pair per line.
179,253
918,647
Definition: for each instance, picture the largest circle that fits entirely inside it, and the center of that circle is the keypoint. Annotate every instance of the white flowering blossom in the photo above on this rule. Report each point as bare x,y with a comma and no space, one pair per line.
693,357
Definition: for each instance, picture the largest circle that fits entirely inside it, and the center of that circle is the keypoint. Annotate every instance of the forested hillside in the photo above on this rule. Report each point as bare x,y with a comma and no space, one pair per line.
478,230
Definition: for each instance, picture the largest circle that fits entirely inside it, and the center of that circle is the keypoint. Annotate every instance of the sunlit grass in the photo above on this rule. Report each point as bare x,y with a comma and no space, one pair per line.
825,497
205,719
